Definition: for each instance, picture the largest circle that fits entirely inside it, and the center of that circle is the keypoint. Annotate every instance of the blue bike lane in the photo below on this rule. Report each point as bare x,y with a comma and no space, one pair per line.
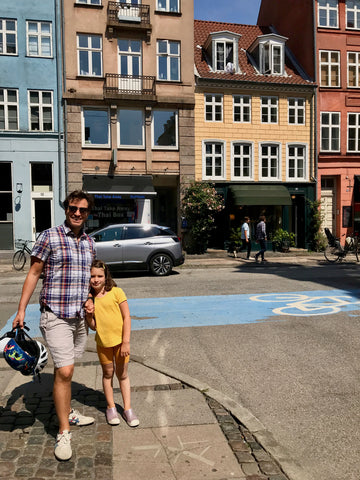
200,311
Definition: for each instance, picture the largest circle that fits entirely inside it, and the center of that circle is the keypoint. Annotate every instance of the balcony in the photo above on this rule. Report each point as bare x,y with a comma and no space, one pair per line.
129,86
128,16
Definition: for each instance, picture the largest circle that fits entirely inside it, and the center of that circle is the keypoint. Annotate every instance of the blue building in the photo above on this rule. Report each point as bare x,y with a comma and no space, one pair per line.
32,178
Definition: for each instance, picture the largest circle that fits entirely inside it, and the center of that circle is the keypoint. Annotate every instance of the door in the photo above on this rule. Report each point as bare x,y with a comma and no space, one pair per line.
129,11
328,208
130,65
109,244
42,218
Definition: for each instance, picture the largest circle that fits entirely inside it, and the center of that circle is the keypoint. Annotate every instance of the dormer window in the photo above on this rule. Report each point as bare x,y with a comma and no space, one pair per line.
269,53
222,48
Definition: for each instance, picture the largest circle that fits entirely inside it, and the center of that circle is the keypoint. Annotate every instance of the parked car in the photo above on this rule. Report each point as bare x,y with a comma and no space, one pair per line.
139,246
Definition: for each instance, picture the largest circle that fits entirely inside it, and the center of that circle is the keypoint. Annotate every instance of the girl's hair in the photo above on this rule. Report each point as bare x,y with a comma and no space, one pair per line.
109,282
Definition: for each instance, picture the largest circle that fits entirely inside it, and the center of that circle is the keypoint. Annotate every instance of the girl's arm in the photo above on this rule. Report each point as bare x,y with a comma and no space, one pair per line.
125,312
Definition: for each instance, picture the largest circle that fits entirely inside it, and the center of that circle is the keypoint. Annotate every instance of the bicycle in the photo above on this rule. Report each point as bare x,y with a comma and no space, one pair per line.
19,257
335,252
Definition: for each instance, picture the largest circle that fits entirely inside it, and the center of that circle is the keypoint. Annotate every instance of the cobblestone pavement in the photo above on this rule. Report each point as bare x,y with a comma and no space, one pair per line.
28,426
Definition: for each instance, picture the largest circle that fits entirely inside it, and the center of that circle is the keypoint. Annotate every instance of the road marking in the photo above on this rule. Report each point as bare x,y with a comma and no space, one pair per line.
201,311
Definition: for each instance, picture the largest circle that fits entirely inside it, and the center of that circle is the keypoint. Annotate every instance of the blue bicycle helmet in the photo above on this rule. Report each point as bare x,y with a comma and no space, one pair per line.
27,356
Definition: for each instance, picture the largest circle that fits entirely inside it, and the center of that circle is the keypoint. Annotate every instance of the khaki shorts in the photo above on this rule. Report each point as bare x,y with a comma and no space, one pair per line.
65,338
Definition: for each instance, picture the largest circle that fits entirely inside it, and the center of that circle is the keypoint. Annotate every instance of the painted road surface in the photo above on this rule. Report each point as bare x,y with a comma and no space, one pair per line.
200,311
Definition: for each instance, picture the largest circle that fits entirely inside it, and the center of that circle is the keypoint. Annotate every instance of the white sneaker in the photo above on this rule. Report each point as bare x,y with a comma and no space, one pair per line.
75,418
63,446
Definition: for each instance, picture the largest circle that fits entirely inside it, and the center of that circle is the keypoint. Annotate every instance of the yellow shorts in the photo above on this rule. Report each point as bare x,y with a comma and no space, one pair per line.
109,354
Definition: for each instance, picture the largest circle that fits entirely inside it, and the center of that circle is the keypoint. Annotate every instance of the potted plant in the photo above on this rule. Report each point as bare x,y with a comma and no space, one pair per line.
282,240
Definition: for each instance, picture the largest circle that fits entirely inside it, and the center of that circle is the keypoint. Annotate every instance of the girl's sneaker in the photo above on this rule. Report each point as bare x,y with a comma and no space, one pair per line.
112,416
130,418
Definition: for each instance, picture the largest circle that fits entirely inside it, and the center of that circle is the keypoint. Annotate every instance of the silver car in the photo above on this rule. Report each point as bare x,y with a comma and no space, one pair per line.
139,246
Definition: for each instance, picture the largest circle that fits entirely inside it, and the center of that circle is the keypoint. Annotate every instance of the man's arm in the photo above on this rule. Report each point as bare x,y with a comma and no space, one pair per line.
29,286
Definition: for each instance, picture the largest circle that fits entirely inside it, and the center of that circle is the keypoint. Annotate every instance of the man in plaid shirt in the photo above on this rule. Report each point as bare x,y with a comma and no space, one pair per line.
63,254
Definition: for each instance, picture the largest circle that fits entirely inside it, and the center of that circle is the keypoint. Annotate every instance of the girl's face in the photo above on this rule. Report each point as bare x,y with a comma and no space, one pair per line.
97,280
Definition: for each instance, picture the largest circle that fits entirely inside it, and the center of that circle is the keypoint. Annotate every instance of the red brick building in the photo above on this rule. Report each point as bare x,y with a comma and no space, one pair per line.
324,35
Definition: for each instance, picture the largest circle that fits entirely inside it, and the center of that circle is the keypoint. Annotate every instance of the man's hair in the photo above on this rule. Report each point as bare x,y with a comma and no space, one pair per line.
109,282
262,218
247,219
79,195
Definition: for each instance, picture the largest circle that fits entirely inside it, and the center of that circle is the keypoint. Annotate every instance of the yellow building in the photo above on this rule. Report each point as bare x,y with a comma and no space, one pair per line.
254,129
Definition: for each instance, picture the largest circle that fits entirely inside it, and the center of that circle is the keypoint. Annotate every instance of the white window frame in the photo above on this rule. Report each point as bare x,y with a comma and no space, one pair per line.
39,36
165,147
89,51
210,100
6,104
224,42
4,31
331,126
356,13
329,64
89,2
357,135
278,160
41,106
297,109
131,147
241,177
267,58
94,145
356,67
168,56
241,103
296,178
266,108
327,9
223,160
167,7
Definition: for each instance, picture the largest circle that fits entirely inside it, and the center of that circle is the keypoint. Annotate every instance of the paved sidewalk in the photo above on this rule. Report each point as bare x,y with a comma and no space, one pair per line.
183,433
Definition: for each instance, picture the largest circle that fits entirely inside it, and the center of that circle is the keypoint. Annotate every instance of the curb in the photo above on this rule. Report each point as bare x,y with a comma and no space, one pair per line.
265,438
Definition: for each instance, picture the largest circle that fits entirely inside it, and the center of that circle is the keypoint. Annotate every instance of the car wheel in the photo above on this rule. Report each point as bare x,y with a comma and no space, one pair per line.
161,264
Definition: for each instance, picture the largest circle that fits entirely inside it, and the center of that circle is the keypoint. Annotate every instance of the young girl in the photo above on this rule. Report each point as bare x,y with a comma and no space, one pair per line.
110,317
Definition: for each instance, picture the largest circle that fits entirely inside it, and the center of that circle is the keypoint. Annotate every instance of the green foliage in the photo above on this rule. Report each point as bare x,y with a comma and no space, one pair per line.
200,205
317,239
235,236
282,239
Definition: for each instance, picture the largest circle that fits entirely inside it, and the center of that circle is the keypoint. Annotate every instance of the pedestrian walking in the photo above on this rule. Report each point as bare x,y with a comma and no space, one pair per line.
63,255
261,238
245,237
110,317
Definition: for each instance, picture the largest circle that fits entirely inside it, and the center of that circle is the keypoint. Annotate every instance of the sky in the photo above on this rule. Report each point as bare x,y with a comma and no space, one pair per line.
233,11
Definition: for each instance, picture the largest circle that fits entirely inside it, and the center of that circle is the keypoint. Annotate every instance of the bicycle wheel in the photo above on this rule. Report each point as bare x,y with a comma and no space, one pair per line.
19,260
332,254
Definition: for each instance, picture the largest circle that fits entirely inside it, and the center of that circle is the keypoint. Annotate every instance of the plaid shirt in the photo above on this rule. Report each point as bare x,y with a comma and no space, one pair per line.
66,270
260,231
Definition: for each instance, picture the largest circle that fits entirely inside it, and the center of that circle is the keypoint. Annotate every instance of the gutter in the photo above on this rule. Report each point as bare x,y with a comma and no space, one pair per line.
65,101
316,100
59,106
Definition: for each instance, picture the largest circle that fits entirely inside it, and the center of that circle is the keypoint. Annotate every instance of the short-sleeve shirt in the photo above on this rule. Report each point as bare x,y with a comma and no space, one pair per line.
245,228
108,318
67,261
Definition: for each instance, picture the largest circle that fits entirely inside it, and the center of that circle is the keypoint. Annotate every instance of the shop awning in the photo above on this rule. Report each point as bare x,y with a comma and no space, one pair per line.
124,186
260,195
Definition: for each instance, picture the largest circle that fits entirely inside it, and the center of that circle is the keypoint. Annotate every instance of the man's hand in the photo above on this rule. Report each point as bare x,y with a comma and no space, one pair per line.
19,320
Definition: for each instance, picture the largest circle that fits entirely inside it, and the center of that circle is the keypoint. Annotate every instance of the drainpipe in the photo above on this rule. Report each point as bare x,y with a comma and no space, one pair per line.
315,100
65,101
59,95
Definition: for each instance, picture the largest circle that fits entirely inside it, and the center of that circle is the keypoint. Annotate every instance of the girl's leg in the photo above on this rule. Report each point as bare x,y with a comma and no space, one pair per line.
108,374
124,381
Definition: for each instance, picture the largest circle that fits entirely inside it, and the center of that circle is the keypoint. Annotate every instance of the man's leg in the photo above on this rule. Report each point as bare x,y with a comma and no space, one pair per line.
62,395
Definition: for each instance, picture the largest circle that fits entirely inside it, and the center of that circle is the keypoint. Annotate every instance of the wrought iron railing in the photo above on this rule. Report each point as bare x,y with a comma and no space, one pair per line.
116,84
119,12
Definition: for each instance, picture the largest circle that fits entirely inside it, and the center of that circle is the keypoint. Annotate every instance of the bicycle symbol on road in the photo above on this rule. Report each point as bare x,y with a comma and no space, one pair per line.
298,304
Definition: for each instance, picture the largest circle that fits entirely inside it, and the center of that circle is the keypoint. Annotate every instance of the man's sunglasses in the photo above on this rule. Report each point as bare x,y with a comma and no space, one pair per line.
74,209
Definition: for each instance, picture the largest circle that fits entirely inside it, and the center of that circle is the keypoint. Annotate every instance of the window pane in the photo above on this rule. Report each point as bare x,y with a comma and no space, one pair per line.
162,68
96,127
84,63
45,46
131,127
174,69
164,128
96,63
33,46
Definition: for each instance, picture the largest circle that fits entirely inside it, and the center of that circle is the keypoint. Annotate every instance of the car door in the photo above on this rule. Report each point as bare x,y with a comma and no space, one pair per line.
138,243
109,244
